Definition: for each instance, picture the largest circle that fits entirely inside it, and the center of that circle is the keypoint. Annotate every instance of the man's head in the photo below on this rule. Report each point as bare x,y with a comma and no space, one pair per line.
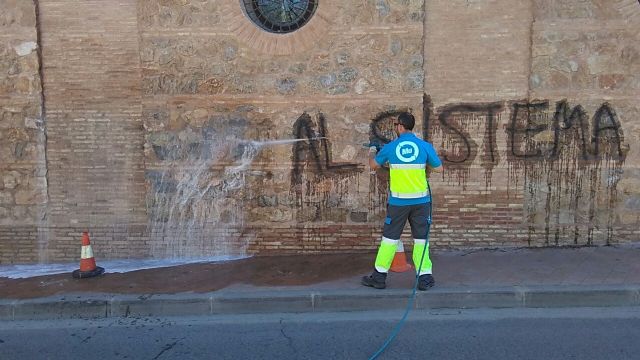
406,122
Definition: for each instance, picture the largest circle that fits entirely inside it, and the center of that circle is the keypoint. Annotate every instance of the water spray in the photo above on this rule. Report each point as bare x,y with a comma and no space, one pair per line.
190,192
279,142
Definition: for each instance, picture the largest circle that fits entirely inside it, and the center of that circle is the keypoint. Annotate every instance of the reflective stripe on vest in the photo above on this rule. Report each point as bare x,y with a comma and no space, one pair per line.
407,166
416,195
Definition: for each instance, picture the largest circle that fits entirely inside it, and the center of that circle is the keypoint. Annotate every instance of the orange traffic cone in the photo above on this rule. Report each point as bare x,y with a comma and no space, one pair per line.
88,266
399,263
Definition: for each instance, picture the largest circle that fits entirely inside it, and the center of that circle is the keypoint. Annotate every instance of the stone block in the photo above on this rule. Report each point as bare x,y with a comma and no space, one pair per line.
267,200
371,299
25,48
161,305
581,297
11,179
6,197
632,202
264,303
358,216
60,308
470,298
6,309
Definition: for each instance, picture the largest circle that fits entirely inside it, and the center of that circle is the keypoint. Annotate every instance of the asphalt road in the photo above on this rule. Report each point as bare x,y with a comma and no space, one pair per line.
585,333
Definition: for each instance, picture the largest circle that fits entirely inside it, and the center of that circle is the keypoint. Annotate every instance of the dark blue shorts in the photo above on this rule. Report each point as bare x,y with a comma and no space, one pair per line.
397,216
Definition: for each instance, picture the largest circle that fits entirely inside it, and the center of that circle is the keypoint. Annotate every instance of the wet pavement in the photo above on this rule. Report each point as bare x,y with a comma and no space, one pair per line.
539,277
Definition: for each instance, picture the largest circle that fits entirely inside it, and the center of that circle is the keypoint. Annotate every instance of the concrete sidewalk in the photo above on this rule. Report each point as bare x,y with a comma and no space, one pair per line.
513,278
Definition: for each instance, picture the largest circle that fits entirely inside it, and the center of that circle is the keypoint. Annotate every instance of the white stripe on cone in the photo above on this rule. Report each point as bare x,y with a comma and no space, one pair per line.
86,252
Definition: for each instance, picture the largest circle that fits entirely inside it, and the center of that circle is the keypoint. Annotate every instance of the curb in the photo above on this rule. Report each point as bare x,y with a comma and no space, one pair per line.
298,301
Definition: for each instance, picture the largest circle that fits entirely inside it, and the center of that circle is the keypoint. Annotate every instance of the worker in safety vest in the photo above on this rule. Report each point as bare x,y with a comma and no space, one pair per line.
407,158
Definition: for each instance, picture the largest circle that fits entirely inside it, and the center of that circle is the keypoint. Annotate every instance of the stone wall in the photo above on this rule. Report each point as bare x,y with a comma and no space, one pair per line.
588,58
23,195
167,126
211,82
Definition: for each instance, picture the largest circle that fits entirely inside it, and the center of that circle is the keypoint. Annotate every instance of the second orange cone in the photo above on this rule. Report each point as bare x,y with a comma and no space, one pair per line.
399,263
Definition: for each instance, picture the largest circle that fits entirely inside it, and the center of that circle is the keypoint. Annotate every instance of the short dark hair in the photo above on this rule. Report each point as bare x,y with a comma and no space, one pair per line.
407,120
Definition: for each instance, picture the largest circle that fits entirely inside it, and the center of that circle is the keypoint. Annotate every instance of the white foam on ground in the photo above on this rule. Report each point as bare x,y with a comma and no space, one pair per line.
110,266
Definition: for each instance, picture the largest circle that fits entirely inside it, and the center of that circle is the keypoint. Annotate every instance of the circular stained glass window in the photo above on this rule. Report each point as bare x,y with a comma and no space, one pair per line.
280,16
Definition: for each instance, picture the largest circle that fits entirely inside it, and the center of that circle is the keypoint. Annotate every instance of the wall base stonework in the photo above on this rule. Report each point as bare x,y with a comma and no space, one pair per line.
19,245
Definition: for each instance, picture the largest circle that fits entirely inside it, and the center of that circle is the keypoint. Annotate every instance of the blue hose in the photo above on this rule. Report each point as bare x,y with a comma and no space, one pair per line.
412,298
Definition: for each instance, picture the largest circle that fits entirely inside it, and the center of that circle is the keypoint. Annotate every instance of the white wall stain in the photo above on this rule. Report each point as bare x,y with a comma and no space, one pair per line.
25,48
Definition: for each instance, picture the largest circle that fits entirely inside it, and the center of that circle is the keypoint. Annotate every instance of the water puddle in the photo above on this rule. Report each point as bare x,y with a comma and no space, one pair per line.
110,266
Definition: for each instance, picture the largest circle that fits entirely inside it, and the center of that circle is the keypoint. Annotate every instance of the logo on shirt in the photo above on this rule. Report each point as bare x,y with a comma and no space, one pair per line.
407,151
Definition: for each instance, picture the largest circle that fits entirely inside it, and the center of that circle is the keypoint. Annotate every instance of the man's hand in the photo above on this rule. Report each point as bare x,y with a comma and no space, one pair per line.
372,158
433,170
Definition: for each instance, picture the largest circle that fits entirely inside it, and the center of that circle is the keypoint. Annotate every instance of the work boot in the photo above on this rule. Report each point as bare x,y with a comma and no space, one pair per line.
425,281
376,280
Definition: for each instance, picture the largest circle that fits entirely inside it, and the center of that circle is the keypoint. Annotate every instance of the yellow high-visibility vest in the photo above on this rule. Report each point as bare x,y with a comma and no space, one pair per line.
408,181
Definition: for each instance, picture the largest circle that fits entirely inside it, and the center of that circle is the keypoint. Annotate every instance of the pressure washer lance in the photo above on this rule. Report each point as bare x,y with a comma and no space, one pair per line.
374,144
412,298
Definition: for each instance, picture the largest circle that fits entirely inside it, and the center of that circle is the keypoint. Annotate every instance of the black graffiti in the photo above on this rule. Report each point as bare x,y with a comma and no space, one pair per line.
380,128
528,119
567,123
564,119
382,131
469,148
316,150
610,133
427,109
520,133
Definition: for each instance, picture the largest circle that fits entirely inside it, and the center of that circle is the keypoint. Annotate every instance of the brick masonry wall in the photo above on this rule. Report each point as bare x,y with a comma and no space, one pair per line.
91,62
165,125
